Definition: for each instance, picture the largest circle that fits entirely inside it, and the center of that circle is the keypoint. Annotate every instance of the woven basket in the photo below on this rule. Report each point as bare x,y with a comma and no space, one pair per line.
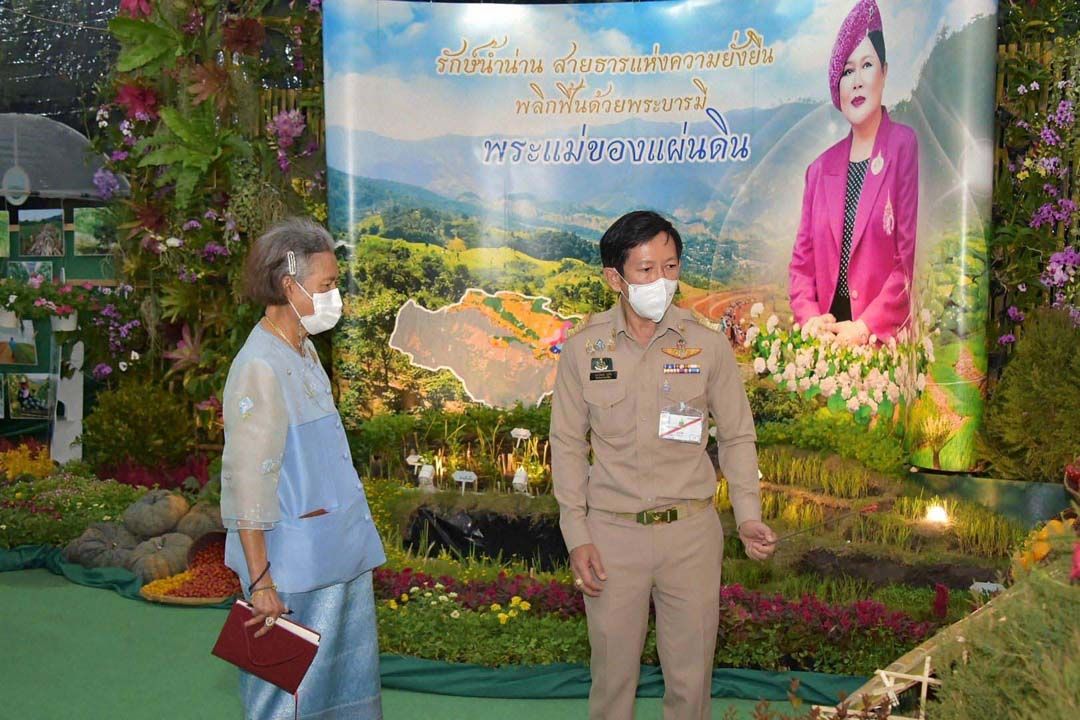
170,600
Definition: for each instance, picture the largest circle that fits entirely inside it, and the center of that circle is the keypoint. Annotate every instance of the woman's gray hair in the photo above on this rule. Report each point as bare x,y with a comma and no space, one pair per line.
283,251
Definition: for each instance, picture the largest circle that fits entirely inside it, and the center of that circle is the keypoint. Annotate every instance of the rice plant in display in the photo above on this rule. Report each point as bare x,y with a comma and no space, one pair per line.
882,529
974,529
832,476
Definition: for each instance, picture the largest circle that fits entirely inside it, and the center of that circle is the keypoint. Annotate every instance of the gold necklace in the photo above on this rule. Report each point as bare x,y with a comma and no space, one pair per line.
296,346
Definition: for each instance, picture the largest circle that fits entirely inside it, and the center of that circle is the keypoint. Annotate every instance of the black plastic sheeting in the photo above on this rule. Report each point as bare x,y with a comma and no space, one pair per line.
52,54
489,535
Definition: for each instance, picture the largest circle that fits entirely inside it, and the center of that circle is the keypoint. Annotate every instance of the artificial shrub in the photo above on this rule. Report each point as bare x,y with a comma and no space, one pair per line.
1029,432
139,423
1020,658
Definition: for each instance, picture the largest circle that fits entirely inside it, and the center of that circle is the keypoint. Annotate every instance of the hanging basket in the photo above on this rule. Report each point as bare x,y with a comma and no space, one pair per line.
67,323
8,318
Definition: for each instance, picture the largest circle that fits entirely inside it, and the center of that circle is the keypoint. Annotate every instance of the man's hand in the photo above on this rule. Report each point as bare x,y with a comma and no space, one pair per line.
588,570
758,538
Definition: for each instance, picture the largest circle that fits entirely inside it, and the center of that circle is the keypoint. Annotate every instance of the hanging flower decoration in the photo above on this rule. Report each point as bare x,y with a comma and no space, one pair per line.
286,127
149,218
194,24
210,81
136,8
139,102
244,36
188,350
106,182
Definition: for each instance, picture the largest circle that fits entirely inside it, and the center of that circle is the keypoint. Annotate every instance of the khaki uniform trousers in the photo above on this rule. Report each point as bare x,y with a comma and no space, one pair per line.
678,565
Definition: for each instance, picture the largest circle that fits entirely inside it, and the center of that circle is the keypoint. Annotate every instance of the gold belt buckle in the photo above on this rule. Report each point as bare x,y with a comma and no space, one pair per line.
653,517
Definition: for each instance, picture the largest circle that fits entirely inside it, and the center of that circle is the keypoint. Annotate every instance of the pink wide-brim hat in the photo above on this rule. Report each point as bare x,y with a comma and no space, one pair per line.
863,19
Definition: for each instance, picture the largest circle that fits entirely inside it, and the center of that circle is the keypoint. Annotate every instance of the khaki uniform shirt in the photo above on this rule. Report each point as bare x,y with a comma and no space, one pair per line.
618,393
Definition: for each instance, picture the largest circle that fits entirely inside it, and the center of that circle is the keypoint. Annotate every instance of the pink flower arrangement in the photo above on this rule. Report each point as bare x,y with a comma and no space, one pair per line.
57,310
136,8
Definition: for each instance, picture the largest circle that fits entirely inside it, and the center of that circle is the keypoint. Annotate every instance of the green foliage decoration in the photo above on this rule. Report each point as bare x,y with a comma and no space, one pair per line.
139,422
1029,431
878,447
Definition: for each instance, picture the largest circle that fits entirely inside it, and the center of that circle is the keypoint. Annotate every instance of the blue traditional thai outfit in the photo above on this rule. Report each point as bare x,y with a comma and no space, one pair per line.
286,457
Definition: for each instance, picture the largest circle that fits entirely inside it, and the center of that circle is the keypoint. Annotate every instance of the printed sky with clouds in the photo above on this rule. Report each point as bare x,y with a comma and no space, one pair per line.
382,53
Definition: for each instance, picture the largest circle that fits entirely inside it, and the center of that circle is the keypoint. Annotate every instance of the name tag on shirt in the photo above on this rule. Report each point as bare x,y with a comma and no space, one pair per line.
605,375
681,423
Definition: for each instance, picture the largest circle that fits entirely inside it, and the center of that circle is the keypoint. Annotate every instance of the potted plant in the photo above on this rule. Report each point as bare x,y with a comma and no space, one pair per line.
64,318
25,301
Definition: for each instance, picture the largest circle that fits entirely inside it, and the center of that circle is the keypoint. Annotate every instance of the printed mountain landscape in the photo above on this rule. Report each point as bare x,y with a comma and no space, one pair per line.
736,217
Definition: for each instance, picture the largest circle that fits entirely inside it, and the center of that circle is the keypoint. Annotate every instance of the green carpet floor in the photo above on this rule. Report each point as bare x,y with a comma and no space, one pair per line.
69,652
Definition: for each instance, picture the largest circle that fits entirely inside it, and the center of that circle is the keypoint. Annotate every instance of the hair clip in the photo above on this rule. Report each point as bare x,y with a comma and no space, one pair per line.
291,257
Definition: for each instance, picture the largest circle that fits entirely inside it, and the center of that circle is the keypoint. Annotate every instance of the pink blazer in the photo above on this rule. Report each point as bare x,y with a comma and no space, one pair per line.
882,243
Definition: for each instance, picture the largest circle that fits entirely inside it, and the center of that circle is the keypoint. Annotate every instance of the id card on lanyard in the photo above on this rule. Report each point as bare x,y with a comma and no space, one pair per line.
681,423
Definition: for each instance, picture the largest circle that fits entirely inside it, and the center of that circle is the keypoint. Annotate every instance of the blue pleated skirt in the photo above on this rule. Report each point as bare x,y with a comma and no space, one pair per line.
343,681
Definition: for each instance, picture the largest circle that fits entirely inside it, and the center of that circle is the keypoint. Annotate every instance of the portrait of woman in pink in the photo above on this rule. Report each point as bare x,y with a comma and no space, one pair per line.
850,275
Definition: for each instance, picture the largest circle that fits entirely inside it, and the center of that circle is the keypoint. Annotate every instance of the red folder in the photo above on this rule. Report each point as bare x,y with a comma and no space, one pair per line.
281,656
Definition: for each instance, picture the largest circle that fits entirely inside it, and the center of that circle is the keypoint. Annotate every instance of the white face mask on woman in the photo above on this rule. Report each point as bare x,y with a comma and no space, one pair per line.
651,300
327,310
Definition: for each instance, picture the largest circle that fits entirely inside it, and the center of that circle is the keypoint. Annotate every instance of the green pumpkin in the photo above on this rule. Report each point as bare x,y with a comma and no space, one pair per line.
155,513
202,518
102,545
160,557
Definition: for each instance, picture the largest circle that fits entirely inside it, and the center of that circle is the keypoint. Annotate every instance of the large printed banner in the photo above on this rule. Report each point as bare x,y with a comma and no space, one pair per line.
477,152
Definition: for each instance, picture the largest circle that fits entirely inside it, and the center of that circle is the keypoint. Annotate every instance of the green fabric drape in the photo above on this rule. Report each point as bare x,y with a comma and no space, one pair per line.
572,681
557,681
32,557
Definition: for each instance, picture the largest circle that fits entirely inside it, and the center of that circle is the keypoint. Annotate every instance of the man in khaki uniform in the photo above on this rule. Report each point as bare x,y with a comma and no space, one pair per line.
643,378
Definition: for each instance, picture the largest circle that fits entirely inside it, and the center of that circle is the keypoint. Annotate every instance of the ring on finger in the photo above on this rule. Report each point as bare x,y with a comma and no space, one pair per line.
578,582
269,621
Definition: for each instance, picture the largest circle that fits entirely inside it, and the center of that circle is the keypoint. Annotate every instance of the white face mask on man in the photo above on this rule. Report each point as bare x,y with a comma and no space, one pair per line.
327,307
652,300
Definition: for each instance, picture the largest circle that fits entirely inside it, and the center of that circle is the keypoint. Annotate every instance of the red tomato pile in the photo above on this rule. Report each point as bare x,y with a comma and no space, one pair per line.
210,578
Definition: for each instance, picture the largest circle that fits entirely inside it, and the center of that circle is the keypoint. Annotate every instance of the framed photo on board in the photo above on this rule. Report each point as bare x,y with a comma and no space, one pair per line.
5,234
26,269
41,232
30,396
95,230
18,345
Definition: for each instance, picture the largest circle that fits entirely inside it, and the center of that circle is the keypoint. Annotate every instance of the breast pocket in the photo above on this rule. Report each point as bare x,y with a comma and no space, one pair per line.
611,410
691,391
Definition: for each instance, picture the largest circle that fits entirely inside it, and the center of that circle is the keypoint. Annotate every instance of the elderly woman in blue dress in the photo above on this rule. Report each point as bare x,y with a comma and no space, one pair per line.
301,536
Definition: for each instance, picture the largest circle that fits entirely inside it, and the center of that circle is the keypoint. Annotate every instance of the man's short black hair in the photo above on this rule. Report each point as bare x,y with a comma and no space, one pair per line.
633,229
